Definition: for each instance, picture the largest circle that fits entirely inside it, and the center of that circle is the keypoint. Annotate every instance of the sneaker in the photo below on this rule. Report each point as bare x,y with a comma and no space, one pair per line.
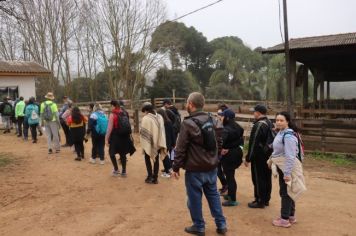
92,160
292,220
279,222
194,230
102,162
152,181
221,231
50,151
34,141
148,179
230,203
256,204
78,159
58,151
166,175
115,173
123,174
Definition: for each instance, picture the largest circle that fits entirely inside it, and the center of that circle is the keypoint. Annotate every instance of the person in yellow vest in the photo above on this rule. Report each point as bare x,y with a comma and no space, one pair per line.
20,114
50,120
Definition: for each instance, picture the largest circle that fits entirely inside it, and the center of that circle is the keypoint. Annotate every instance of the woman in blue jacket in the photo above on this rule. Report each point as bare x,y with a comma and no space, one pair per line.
32,115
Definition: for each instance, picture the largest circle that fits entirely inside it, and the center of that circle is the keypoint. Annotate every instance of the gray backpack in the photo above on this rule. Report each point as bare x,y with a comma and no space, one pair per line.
47,112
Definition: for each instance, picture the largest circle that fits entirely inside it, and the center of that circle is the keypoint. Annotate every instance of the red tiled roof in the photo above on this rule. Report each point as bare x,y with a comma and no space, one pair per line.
22,67
316,42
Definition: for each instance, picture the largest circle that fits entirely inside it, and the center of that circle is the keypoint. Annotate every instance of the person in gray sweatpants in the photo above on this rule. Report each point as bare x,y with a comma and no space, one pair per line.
50,120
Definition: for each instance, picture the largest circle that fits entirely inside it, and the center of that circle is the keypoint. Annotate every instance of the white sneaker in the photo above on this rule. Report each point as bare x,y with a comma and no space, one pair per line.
102,162
166,175
115,173
92,161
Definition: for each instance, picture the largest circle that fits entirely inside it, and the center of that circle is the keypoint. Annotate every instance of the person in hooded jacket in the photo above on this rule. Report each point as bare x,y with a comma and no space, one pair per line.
232,152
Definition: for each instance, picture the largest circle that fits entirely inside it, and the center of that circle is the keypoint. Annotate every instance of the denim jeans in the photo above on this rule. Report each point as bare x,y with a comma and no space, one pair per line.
196,184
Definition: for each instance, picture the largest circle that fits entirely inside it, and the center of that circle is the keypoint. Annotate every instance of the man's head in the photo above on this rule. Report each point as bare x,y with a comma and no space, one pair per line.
21,98
195,101
259,110
167,102
5,99
222,106
65,99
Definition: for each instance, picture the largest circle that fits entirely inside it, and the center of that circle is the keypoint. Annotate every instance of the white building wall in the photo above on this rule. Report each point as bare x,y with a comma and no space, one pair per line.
26,84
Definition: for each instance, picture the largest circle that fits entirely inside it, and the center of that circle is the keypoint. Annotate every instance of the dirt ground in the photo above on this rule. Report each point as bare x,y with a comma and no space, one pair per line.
44,194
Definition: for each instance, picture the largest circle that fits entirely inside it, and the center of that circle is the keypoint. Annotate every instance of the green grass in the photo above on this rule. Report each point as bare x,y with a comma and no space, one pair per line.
5,159
336,158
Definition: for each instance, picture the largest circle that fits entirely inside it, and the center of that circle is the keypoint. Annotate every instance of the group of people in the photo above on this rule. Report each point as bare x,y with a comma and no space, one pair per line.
206,146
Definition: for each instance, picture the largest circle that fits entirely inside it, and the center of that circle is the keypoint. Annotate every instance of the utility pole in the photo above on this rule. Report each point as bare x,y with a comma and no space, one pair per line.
290,102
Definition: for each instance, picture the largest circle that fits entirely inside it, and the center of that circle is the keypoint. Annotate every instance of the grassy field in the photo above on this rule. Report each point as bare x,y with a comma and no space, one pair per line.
5,159
335,158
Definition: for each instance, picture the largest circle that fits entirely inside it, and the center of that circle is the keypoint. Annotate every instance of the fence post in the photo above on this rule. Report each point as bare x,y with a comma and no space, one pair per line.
136,121
323,136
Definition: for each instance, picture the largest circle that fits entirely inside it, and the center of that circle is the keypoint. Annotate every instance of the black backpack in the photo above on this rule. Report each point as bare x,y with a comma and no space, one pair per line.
207,129
123,126
268,146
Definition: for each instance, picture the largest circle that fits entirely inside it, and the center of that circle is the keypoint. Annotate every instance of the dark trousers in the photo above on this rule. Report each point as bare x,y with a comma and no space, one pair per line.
98,142
79,148
152,173
167,164
123,160
33,129
231,183
262,179
221,175
26,127
288,205
20,120
67,134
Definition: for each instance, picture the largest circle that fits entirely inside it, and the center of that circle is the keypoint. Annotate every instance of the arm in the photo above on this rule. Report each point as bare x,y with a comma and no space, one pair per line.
181,147
290,150
110,128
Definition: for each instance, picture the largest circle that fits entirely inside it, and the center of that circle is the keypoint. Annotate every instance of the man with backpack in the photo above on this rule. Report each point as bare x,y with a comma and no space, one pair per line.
20,115
259,150
97,126
197,153
50,120
6,112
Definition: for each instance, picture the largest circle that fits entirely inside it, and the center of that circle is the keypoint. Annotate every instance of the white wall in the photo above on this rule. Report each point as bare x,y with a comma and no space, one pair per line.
26,84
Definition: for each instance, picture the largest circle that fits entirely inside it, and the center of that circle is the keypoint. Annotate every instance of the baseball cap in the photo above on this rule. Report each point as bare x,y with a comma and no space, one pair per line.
228,113
260,108
167,101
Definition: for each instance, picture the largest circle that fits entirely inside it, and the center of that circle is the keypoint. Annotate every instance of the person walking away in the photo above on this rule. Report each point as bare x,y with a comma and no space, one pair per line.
26,126
39,129
32,115
67,103
50,120
97,126
77,123
287,156
258,154
232,152
118,138
6,112
153,141
197,153
173,115
218,130
170,142
19,115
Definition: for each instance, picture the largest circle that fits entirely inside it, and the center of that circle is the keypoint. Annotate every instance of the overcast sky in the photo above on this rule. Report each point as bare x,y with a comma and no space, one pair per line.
256,21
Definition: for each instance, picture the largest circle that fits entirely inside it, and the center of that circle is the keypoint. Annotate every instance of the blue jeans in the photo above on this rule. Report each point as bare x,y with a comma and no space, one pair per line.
196,183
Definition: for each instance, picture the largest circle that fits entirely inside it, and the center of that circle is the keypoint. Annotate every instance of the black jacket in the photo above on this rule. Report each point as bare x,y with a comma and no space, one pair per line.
258,139
170,136
2,107
232,137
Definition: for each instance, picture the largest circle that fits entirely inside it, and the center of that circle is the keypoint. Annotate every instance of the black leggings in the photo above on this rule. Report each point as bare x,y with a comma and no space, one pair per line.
288,205
231,183
123,160
79,148
33,129
152,173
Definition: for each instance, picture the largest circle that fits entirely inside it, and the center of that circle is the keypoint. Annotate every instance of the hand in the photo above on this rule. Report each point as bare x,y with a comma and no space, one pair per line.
246,163
287,178
224,151
176,175
107,142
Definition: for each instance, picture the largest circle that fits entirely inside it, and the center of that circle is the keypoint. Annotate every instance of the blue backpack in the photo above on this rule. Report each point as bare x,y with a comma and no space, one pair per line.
101,123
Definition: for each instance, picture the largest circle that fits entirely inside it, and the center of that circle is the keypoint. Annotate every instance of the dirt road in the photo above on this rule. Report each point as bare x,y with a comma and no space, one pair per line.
44,194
